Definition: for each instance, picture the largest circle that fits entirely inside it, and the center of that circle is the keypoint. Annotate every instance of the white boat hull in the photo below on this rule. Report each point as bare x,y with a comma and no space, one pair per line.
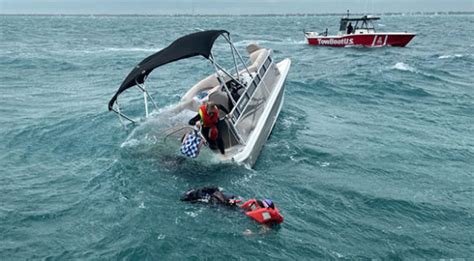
248,154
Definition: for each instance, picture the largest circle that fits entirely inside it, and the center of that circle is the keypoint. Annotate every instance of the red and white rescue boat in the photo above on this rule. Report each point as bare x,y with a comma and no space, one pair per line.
362,33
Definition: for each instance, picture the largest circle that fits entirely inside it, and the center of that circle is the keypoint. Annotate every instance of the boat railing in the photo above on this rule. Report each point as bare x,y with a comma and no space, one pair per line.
236,70
256,83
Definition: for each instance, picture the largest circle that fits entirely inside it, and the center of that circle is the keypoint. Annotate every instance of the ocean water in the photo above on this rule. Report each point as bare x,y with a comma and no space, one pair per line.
372,155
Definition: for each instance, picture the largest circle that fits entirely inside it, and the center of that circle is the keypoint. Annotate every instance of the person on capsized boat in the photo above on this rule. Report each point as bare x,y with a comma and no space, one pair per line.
207,118
262,211
210,195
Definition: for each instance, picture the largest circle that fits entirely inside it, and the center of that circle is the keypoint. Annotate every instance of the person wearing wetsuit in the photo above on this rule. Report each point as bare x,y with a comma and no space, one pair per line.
211,195
208,116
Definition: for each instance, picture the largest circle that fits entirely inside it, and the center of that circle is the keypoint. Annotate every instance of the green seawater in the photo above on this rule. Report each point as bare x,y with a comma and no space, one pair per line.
372,155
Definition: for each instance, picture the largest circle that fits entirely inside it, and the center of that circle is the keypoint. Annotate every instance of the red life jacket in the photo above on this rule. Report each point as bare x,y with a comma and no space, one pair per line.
262,214
206,119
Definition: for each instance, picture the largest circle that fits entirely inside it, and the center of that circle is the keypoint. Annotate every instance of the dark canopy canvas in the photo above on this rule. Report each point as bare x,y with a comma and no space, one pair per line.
194,44
363,18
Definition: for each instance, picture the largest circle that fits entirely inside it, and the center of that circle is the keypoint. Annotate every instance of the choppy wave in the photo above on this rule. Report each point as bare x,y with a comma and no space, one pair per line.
449,56
158,121
403,67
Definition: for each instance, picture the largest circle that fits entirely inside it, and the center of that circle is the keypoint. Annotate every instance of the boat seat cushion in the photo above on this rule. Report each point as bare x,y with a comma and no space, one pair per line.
220,97
257,58
252,48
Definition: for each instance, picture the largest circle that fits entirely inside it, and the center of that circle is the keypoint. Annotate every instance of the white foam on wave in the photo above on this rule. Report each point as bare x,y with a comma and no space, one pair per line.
152,129
161,131
359,46
403,67
130,143
449,56
289,121
193,214
323,164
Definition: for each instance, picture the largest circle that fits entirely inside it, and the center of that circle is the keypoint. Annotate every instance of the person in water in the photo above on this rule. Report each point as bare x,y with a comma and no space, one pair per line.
263,211
266,203
208,119
350,29
211,195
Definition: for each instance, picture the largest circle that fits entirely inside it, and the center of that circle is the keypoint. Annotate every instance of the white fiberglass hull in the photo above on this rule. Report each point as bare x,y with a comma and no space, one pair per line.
247,154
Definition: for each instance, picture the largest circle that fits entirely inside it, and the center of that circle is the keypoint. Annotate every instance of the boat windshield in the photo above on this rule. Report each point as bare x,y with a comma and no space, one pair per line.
365,25
362,24
343,25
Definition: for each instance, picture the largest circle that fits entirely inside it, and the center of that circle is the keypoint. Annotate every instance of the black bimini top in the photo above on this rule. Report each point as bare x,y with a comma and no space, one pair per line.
363,18
190,45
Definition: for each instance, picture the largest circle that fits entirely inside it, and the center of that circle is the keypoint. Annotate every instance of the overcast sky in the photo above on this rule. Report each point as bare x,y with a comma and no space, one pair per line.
227,6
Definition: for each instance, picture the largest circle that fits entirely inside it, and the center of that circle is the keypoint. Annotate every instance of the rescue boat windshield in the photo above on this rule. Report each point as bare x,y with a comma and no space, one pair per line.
360,24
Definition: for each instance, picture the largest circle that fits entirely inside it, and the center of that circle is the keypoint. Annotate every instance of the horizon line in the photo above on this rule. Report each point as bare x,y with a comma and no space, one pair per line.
245,15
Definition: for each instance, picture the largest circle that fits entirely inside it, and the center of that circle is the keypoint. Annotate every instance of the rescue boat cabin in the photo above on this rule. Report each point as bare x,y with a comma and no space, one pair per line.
361,25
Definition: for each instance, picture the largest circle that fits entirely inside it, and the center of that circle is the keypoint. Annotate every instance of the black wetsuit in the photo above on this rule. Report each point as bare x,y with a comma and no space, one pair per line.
219,142
209,195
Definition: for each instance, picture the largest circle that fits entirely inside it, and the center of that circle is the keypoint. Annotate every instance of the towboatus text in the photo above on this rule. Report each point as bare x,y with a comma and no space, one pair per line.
343,41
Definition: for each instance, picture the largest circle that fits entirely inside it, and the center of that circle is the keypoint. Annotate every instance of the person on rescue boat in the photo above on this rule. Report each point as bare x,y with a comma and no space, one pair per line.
208,118
350,29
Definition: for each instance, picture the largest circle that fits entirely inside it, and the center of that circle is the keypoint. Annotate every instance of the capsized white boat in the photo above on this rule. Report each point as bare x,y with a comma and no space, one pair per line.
252,91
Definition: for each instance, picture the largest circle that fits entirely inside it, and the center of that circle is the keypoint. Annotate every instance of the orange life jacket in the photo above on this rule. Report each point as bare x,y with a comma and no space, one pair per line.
206,119
262,214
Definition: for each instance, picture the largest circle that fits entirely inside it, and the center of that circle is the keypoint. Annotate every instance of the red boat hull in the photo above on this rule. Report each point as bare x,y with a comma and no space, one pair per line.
367,40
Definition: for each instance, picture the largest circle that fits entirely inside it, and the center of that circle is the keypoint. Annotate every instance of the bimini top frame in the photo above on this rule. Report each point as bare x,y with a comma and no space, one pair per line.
364,21
195,44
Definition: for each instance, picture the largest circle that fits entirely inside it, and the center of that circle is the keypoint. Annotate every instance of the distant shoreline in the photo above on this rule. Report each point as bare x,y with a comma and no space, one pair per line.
252,15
